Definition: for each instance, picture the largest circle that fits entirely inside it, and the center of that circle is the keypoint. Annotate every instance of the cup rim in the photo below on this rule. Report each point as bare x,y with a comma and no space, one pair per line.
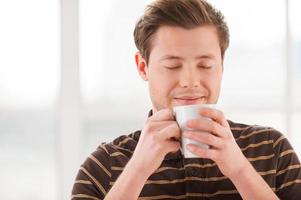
193,105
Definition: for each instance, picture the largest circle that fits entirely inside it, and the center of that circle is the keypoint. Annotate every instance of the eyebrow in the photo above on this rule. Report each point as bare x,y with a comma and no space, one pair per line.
172,57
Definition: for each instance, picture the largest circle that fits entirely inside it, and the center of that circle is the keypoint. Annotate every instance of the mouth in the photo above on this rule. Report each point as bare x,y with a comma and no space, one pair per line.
188,100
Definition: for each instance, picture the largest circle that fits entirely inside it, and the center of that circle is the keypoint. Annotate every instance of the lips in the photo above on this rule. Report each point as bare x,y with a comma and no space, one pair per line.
188,100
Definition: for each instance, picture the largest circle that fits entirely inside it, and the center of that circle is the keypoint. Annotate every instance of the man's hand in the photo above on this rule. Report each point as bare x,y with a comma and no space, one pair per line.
225,152
216,133
159,136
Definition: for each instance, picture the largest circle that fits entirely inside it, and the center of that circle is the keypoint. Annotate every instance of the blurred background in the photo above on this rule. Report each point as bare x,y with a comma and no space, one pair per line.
68,82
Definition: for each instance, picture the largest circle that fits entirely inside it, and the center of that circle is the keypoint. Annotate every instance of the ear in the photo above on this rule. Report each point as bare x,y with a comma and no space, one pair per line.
141,66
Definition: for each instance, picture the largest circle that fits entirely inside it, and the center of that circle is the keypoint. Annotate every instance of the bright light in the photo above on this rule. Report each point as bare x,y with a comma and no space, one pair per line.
29,64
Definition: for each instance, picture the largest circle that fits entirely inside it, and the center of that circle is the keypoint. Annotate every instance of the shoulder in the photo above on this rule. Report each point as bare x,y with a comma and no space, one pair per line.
256,134
94,176
259,139
124,144
253,132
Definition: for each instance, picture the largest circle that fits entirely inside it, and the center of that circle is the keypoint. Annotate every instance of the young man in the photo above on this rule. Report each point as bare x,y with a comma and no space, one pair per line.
181,46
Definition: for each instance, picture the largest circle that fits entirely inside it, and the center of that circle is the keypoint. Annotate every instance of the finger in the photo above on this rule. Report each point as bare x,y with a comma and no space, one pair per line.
173,146
170,132
158,125
162,115
208,126
205,138
215,115
203,153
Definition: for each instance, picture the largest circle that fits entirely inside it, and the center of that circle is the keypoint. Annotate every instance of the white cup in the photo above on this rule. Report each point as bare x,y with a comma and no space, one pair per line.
184,114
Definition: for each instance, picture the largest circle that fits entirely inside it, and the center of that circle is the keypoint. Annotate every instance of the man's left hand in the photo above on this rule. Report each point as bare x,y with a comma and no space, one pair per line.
223,150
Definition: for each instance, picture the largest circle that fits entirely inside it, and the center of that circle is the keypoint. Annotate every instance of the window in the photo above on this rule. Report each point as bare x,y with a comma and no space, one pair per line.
108,74
29,80
295,80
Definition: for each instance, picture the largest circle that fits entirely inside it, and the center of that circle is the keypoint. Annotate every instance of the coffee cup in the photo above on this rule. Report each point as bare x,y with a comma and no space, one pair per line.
184,114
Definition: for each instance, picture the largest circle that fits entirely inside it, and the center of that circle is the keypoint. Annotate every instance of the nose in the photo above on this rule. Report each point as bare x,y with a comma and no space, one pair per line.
189,78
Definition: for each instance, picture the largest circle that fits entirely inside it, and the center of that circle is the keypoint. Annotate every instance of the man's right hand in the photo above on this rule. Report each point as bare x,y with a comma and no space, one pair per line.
160,136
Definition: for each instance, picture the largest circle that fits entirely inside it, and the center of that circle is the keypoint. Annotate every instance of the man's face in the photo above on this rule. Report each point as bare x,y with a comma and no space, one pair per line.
185,67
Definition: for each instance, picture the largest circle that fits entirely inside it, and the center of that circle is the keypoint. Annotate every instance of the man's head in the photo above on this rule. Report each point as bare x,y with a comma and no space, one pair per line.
187,14
181,47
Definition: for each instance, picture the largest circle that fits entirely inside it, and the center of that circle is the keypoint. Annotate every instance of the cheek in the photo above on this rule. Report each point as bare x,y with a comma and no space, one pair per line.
162,84
213,82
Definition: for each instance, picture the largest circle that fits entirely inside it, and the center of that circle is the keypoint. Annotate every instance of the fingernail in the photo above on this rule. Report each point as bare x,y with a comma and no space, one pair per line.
189,123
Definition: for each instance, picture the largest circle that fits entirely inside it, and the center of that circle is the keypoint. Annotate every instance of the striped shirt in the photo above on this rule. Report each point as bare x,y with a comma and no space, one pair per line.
267,150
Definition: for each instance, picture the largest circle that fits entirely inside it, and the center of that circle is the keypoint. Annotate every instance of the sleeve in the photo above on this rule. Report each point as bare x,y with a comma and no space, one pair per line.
93,178
288,172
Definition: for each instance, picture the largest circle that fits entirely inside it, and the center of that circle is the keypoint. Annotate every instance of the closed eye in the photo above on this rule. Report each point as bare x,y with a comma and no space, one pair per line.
205,66
172,67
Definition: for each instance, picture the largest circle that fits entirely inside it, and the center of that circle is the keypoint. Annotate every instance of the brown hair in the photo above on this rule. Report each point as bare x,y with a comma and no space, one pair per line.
188,14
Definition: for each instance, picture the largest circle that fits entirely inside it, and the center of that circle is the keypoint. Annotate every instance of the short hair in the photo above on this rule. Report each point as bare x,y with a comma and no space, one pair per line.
187,14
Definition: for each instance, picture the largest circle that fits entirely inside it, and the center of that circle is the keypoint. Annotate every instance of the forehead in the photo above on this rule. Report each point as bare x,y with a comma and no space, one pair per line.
177,41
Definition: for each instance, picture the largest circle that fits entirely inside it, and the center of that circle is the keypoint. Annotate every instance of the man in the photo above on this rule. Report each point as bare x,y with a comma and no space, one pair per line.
181,46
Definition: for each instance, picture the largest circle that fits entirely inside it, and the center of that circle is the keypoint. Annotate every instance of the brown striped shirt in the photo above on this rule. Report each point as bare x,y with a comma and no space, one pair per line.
268,151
